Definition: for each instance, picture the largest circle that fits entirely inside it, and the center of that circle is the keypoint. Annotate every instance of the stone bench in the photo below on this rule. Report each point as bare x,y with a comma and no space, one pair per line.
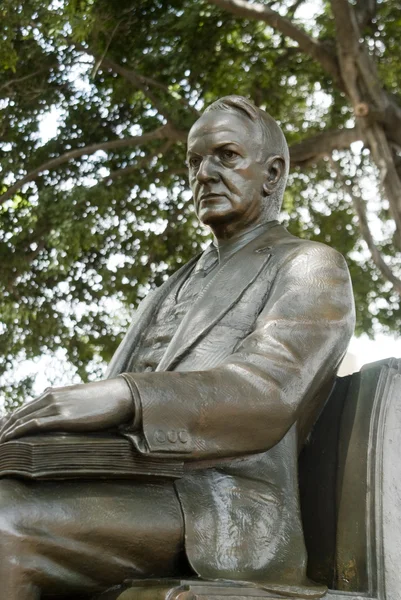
350,487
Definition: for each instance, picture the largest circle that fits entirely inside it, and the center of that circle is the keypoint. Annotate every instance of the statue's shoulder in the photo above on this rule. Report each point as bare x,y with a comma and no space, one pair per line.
290,247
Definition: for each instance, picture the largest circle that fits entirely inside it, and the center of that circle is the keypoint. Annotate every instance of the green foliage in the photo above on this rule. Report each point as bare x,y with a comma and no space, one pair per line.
79,248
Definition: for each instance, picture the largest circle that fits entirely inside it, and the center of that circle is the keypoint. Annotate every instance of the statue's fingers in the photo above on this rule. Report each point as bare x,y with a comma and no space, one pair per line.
30,423
4,422
26,409
13,418
7,423
17,417
32,426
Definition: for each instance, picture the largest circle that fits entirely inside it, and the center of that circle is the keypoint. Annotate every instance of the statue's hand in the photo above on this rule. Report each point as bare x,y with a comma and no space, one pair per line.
75,408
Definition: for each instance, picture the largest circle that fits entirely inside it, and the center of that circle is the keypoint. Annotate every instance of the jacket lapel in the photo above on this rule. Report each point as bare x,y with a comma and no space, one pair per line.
143,317
221,293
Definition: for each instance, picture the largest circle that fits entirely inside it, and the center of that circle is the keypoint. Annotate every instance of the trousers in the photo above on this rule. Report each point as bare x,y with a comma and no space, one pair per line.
60,539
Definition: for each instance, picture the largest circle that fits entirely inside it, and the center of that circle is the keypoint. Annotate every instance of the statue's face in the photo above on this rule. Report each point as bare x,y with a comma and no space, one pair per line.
225,174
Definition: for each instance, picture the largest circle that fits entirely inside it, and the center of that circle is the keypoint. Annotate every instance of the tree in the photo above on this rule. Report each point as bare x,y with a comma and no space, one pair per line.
92,217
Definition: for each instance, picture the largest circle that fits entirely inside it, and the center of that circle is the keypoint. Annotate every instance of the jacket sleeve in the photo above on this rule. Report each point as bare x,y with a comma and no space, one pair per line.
249,402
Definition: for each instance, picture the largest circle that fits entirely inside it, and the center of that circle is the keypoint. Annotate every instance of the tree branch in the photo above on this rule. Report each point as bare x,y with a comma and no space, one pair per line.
164,132
145,83
294,7
390,180
347,47
131,76
312,149
309,45
21,79
138,165
391,120
140,82
364,86
360,210
103,55
365,11
354,59
140,85
346,25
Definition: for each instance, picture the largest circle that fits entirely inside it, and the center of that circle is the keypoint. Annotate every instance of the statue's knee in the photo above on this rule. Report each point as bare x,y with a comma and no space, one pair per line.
14,511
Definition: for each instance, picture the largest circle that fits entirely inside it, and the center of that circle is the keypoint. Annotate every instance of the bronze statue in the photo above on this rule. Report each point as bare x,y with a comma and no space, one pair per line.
225,366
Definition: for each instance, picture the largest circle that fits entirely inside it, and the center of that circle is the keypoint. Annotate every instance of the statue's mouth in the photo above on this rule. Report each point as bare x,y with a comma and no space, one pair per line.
210,196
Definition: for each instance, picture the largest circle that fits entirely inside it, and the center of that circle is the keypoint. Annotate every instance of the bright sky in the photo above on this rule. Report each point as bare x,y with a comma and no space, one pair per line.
362,351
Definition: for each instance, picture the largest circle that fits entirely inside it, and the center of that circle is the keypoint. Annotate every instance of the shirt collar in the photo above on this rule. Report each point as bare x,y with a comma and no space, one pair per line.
226,249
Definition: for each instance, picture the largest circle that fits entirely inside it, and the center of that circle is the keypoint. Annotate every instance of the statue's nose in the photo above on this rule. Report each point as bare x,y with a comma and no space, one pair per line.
207,170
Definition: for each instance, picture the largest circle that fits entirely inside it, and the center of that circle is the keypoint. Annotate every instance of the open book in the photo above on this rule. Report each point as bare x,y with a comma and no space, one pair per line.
82,456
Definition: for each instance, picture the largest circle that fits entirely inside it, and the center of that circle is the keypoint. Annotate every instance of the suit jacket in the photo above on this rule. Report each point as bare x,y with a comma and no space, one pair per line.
237,390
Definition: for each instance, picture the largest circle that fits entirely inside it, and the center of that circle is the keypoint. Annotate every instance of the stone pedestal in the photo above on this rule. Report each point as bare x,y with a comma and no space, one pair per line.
203,590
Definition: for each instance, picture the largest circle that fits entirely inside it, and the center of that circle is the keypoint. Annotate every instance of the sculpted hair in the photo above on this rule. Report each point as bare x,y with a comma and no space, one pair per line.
273,140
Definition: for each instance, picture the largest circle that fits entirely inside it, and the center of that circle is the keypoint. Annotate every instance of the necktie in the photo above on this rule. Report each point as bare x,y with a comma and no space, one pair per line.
206,262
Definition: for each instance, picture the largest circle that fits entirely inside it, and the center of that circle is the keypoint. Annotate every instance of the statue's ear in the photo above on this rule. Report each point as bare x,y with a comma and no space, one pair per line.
275,167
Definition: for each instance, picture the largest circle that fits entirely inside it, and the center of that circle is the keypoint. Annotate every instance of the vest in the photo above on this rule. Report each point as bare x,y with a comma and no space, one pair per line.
164,325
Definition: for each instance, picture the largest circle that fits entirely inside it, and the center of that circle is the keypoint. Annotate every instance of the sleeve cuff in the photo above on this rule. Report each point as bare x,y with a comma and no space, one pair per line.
137,422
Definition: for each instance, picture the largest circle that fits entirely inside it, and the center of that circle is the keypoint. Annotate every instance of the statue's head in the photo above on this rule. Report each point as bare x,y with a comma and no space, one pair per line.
238,163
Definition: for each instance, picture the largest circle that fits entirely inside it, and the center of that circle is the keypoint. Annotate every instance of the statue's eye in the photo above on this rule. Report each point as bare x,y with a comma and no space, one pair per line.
194,162
228,154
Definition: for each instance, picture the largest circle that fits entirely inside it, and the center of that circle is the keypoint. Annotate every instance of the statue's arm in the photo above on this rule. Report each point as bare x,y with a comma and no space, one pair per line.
75,408
249,402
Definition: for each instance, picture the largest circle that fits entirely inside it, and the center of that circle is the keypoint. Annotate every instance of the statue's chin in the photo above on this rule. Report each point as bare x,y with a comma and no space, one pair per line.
216,218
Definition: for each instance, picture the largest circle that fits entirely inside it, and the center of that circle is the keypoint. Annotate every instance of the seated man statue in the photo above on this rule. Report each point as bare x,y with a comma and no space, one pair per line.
225,366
